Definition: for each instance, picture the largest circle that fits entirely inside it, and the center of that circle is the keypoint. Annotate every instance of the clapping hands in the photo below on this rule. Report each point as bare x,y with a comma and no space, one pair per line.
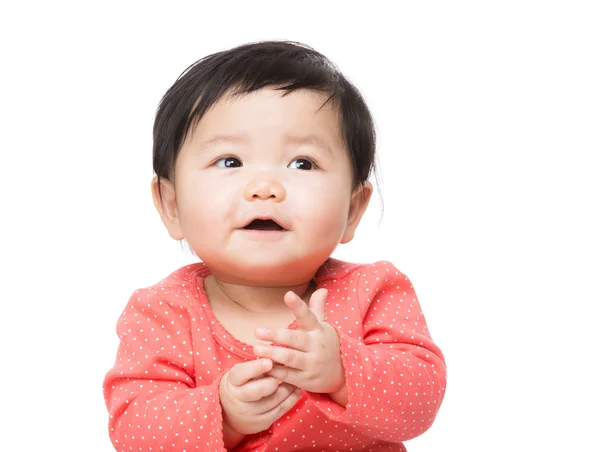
307,358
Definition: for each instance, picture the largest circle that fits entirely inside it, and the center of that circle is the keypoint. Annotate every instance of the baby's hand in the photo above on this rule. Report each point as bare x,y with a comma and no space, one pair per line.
251,400
312,361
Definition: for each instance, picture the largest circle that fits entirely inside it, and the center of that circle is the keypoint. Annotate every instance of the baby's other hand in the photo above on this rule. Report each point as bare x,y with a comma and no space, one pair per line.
251,400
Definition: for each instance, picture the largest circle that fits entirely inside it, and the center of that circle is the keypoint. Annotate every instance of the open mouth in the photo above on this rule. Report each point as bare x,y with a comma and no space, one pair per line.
263,225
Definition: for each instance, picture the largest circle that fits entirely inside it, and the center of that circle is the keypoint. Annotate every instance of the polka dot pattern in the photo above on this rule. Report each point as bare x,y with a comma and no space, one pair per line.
163,391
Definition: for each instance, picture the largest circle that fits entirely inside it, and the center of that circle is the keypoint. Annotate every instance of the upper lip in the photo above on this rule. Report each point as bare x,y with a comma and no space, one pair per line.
280,221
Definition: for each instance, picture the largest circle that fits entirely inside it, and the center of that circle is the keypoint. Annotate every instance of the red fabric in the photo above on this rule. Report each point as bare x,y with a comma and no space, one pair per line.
164,388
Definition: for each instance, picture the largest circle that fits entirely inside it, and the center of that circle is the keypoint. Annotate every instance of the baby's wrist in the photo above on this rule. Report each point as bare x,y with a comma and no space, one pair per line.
231,438
340,396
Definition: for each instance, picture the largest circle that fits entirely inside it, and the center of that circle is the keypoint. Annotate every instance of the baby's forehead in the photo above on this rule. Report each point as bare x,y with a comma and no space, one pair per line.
302,112
322,99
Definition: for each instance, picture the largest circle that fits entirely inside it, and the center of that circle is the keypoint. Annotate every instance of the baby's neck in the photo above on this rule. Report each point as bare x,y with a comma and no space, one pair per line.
254,299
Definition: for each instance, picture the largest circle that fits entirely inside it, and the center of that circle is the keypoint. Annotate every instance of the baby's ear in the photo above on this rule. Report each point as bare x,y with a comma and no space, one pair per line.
358,205
166,204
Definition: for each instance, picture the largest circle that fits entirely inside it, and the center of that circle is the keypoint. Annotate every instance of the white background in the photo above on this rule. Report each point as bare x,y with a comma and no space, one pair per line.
488,116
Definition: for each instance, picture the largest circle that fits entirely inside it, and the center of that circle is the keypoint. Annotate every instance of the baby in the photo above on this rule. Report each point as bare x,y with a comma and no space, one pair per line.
262,155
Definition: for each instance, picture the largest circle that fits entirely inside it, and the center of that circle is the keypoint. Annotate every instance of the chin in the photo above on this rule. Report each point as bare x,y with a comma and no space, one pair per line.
265,273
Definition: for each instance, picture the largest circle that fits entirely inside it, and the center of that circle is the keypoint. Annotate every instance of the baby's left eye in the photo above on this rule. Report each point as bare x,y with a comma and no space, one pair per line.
302,163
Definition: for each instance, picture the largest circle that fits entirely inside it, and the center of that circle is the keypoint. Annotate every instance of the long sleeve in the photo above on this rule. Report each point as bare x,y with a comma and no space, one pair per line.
151,394
395,374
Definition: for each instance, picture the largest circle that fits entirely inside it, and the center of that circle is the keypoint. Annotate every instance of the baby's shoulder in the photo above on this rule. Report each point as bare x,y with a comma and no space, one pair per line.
335,269
361,284
177,289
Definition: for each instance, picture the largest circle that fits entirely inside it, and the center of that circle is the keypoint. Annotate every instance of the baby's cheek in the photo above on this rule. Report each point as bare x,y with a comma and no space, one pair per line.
330,225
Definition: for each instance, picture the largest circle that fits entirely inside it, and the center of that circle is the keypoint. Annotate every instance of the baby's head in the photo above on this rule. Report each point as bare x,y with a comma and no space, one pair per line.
262,155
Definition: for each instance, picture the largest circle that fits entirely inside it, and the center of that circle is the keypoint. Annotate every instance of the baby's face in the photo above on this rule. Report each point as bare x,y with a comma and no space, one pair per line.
264,187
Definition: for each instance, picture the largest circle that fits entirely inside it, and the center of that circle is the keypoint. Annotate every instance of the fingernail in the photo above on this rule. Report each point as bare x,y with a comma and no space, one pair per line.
262,331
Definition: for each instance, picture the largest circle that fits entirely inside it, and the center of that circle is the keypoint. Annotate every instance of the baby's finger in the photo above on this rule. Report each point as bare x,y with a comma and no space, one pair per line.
295,339
256,389
292,376
317,303
241,373
286,356
268,403
280,409
305,318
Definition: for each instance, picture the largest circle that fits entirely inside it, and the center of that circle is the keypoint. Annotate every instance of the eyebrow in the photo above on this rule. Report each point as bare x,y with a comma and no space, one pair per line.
222,139
312,139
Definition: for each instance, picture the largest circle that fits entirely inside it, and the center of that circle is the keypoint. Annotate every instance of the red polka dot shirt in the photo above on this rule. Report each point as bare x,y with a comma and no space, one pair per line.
163,391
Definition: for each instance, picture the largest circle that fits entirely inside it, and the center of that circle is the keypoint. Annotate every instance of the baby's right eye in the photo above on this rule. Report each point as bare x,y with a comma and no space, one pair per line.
228,162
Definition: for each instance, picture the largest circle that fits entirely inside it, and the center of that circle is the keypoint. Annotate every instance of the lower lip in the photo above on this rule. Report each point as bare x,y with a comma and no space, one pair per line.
260,234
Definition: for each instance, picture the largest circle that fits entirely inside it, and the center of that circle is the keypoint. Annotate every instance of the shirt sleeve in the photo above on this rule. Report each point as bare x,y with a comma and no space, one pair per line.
151,395
395,374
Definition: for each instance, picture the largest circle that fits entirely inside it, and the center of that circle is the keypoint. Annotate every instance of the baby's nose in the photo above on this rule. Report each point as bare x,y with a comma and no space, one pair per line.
265,187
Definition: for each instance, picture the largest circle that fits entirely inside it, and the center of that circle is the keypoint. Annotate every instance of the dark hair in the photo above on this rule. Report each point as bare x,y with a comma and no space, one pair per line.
285,65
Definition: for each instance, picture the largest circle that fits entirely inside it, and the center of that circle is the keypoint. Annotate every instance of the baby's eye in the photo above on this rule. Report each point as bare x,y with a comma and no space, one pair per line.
228,162
302,163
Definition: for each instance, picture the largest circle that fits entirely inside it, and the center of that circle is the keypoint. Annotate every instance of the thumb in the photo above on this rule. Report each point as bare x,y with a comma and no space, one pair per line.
317,304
